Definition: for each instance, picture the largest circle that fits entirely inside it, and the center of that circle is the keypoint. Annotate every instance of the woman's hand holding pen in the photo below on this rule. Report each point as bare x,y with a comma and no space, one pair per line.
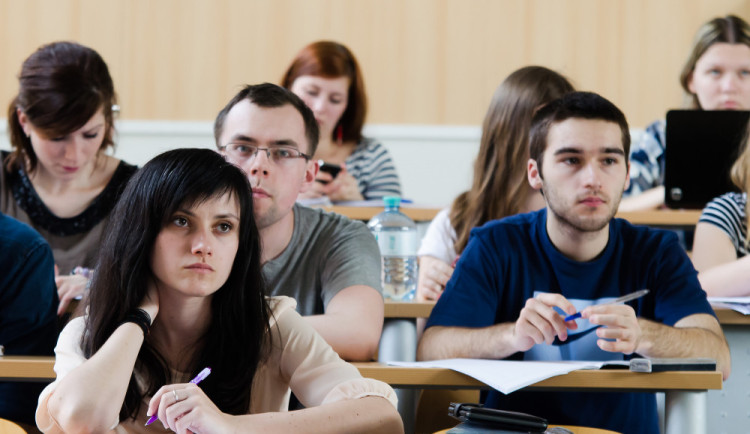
621,332
185,408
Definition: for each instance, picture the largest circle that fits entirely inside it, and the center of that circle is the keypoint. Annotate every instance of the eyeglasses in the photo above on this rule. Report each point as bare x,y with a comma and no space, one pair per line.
277,154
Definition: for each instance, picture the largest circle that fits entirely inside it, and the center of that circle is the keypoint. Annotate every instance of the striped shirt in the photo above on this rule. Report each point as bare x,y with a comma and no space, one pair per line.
727,212
647,159
372,166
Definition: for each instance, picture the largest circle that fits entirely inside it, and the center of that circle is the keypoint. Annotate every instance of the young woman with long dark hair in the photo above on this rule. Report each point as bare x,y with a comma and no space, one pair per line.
179,288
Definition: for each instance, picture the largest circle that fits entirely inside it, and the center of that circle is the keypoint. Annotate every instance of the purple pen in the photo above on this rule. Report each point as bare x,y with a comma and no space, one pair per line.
198,378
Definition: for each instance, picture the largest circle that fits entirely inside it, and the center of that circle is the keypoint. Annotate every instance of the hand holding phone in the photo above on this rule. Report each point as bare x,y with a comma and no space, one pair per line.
332,169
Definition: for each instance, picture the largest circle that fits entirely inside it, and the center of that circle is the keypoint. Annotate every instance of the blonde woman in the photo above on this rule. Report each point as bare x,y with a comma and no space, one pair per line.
720,248
716,76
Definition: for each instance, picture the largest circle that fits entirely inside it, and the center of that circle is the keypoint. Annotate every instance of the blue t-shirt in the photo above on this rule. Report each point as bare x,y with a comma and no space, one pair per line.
28,310
511,260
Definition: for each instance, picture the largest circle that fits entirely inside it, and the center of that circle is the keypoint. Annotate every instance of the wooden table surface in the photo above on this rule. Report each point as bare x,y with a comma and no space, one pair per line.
27,367
408,309
606,379
661,217
416,309
731,317
41,368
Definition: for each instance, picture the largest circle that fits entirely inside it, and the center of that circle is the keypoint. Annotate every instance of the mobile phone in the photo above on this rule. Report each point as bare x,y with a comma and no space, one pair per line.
333,169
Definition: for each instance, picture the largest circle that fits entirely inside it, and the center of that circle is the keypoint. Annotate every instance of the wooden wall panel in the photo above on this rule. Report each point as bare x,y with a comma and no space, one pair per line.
425,61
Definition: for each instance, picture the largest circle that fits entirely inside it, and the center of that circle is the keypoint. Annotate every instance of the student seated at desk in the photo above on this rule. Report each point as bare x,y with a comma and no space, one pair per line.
326,75
499,188
520,276
179,288
716,76
28,306
328,263
59,178
720,249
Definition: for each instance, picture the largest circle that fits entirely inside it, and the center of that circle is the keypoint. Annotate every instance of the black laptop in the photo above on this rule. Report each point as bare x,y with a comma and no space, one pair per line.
701,147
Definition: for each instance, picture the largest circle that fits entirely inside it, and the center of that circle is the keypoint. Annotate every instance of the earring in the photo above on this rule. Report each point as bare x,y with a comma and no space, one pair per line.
340,134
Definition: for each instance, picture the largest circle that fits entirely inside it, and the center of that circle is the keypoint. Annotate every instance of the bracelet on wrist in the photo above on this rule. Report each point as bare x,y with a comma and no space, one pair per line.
141,318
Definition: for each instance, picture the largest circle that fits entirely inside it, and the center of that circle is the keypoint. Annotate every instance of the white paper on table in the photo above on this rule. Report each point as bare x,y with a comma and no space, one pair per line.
743,308
738,300
506,376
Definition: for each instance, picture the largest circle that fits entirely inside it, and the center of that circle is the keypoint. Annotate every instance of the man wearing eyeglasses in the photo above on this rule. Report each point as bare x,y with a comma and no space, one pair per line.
329,263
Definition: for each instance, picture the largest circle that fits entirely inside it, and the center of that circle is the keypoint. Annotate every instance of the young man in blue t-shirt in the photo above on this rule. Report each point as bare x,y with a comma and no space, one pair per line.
519,277
28,311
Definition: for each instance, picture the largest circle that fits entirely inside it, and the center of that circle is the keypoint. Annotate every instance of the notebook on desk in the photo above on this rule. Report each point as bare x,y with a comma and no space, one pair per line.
701,146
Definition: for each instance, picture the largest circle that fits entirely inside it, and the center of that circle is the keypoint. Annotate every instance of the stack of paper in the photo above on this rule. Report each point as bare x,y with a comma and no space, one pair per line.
739,304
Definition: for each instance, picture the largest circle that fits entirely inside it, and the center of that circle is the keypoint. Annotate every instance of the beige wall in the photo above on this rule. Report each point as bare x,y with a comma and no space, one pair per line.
425,61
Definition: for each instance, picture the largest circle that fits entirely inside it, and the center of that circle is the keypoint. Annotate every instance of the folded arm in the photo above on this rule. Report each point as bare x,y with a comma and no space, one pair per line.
90,396
696,335
714,256
650,199
352,322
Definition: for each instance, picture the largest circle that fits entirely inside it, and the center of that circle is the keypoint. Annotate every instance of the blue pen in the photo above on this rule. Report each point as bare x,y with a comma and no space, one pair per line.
618,300
198,378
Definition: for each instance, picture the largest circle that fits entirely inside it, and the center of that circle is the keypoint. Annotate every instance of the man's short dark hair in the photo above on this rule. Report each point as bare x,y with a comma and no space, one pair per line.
582,105
270,95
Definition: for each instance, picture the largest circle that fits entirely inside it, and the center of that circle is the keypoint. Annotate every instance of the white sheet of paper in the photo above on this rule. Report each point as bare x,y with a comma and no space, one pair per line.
738,300
506,376
743,308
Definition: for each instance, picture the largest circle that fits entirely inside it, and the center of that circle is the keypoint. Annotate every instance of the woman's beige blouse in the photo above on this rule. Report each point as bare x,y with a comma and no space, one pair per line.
299,360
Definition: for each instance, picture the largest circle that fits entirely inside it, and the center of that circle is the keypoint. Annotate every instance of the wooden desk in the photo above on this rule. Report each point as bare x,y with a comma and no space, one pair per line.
685,392
663,217
27,368
422,309
416,213
408,309
587,379
731,317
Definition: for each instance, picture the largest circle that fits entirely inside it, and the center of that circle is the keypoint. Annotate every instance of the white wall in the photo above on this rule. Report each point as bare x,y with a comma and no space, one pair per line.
434,162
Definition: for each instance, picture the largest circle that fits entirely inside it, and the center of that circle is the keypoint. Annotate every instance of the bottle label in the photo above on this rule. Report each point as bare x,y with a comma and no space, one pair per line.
397,243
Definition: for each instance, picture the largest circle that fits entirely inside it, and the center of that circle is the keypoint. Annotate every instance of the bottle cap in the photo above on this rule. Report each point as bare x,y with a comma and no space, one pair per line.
391,201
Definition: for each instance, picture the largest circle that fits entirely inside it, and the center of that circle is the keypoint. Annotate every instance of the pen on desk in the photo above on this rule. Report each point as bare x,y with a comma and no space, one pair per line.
198,378
618,300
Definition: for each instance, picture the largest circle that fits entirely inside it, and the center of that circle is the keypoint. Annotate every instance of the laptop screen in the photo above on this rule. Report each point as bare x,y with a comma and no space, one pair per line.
701,147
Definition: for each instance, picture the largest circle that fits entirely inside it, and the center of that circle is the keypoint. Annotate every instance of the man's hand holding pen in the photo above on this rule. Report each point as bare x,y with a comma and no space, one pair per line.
540,323
620,333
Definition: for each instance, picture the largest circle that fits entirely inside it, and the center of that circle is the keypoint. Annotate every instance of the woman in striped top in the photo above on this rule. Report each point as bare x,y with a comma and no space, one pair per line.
720,248
326,76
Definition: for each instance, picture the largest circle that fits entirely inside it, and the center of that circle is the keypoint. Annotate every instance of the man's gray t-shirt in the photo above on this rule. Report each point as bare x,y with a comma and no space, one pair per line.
327,253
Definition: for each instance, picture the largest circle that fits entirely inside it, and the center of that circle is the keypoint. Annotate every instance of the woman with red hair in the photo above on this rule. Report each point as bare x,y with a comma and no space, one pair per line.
326,76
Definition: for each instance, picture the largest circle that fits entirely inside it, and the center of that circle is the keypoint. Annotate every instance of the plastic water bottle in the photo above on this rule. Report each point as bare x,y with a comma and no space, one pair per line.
397,239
